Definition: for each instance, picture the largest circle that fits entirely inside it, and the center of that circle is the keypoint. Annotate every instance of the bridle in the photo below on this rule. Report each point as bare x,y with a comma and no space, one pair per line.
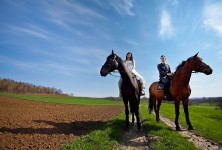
113,74
185,73
195,66
115,63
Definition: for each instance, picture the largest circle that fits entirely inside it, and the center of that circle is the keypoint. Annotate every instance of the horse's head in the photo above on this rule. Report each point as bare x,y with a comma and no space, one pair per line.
110,65
199,66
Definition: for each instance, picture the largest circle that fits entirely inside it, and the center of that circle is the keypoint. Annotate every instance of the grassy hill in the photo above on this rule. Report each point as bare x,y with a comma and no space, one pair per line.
52,98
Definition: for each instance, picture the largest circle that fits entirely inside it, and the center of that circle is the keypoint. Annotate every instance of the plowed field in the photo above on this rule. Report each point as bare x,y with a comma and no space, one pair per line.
38,125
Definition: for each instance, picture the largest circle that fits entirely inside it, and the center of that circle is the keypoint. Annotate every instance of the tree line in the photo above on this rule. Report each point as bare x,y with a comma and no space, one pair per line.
9,85
207,100
214,101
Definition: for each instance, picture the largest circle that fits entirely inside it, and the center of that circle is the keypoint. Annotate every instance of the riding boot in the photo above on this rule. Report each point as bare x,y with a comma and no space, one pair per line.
167,95
142,92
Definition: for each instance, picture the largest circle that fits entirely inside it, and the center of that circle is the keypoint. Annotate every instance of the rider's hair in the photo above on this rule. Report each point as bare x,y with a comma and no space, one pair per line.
131,58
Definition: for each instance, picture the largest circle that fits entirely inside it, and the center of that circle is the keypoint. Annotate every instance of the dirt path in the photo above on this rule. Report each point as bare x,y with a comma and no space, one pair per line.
39,125
132,140
200,142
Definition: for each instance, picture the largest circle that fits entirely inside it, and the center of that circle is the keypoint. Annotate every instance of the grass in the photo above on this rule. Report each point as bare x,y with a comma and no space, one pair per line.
104,138
63,99
163,137
207,120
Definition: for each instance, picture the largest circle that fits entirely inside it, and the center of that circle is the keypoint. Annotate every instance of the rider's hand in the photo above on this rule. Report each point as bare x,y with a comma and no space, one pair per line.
132,74
169,74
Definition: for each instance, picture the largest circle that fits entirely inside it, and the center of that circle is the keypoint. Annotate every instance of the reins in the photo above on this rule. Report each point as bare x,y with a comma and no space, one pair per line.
184,73
115,72
114,75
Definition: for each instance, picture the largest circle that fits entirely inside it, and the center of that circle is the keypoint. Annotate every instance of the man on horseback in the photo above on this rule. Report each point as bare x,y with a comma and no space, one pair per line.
165,74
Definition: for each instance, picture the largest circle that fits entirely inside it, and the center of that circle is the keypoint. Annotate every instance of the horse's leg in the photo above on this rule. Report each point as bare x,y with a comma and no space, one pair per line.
186,111
158,111
155,109
177,112
137,117
151,101
133,119
126,113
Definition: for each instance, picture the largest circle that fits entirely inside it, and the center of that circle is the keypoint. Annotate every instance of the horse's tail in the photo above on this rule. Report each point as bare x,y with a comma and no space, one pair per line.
150,104
150,99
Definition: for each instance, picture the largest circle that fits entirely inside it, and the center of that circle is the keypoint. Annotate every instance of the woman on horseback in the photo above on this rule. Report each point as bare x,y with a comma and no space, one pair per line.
130,63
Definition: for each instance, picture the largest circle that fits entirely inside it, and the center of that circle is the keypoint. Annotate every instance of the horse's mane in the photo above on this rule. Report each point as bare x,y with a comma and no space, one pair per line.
183,62
180,66
119,59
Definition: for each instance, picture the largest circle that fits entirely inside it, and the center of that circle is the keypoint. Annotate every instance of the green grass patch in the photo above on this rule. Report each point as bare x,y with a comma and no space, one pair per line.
107,137
63,99
163,137
206,120
104,138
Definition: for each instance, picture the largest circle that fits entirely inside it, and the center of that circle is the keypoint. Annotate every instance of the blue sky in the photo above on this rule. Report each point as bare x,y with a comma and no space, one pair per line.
64,43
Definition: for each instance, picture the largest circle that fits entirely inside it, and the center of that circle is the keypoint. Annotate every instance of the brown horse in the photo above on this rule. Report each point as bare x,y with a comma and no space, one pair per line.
179,88
129,88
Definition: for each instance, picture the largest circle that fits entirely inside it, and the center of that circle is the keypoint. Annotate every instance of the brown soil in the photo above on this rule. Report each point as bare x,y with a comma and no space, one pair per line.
39,125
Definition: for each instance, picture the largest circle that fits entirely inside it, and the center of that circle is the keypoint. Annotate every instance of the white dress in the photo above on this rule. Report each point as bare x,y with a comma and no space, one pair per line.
131,67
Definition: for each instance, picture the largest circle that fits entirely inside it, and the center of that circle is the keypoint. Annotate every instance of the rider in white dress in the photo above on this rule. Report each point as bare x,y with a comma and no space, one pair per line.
130,63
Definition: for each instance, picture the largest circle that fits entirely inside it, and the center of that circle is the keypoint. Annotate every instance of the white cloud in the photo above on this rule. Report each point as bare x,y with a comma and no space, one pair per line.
123,7
32,30
213,17
174,2
131,42
220,55
84,11
166,28
48,66
67,14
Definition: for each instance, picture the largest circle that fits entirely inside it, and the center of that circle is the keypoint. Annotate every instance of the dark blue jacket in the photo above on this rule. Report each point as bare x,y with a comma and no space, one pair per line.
163,70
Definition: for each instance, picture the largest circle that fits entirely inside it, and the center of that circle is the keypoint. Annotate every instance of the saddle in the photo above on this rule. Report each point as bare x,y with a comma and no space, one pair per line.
138,82
160,86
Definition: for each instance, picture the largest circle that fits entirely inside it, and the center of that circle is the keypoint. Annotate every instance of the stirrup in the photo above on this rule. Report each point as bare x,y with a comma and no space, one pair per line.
142,93
168,98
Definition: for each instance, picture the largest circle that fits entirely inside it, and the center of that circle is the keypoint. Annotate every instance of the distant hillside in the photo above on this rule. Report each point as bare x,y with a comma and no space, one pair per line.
9,85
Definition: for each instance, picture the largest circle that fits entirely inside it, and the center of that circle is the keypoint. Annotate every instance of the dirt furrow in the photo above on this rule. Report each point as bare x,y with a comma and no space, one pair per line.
38,125
199,141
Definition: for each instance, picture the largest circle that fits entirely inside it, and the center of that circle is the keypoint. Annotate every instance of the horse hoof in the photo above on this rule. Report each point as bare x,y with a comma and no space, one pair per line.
139,131
127,129
139,127
190,128
178,128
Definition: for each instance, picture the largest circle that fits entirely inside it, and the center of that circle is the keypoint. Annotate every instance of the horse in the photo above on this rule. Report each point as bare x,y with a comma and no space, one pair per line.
130,89
179,89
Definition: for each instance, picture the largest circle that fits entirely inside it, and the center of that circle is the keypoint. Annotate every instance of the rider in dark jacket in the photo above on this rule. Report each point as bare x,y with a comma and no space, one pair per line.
164,74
